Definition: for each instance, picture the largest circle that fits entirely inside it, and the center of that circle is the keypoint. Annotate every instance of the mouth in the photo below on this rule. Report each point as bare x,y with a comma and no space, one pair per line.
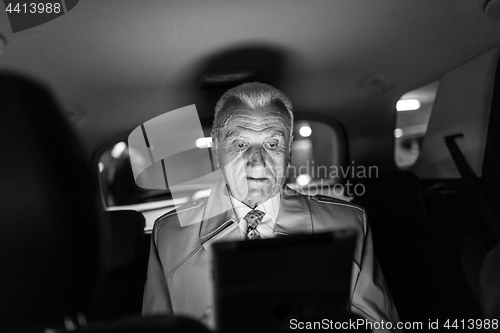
257,179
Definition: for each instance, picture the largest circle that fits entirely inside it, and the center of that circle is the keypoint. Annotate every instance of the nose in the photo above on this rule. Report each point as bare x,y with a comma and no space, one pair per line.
255,157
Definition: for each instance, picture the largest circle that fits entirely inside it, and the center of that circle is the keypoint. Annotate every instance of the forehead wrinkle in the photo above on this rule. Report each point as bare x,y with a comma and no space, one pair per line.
251,122
246,119
240,115
255,127
240,109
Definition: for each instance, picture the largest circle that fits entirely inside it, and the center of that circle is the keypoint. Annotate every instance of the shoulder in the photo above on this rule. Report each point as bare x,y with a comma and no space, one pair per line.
180,220
320,201
328,212
187,208
176,234
339,203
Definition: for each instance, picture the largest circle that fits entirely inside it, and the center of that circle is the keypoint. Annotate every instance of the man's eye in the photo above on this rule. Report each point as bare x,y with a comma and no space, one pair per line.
241,145
272,145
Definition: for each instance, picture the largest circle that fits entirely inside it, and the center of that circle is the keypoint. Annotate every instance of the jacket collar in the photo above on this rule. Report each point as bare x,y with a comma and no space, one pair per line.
294,215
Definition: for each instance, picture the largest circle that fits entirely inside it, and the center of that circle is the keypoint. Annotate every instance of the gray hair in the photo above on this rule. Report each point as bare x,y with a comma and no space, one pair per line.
254,95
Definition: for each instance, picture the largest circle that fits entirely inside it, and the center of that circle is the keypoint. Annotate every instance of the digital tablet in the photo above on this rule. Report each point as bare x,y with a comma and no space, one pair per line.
261,285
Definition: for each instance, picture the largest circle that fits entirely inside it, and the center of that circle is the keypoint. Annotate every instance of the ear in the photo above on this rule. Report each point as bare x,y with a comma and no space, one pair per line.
290,151
215,154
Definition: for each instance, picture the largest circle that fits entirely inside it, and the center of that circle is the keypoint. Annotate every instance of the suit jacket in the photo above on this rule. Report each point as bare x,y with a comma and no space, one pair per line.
179,271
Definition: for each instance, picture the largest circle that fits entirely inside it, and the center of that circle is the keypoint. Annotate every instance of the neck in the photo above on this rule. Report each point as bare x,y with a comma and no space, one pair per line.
251,204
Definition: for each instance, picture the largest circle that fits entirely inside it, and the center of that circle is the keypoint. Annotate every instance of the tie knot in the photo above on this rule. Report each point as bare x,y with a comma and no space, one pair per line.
254,216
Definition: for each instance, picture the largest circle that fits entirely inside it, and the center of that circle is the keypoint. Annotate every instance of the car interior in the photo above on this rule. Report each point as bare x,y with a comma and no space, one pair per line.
394,111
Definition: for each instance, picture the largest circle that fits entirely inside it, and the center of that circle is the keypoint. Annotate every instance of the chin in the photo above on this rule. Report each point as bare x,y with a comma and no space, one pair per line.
260,195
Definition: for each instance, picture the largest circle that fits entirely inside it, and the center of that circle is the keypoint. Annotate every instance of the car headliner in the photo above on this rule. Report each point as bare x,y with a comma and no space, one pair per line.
125,62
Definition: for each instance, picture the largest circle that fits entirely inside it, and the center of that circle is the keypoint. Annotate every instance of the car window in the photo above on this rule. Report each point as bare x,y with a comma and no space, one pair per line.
413,111
314,154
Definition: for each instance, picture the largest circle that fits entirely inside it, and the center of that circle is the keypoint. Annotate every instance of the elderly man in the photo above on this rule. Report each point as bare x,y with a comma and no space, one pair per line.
252,136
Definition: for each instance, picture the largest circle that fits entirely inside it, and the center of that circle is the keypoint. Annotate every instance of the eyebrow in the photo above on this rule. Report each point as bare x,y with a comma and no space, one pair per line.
278,133
236,133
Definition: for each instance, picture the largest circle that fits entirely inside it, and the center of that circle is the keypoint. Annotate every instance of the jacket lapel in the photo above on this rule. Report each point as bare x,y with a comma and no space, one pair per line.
294,215
218,213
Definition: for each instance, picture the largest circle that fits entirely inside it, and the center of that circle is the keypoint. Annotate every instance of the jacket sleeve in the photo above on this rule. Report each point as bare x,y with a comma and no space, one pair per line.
371,298
156,296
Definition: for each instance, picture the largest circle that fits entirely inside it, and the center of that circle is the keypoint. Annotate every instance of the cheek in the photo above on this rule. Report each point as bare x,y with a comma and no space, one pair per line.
234,165
227,156
277,164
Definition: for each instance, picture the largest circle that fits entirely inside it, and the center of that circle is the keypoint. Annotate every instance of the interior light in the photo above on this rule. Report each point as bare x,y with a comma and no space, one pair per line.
118,149
101,167
408,104
204,142
305,131
398,132
303,179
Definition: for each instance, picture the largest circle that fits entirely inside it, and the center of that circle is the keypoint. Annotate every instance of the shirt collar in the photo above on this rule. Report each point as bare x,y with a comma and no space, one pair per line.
219,211
271,207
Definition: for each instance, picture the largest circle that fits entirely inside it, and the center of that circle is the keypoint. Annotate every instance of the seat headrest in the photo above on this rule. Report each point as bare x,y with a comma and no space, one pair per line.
49,237
394,198
490,284
127,230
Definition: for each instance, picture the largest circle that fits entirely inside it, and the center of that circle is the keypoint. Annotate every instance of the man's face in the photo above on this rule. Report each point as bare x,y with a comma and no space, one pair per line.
253,147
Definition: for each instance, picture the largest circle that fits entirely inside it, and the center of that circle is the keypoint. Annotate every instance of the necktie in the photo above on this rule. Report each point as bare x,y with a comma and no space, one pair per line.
253,218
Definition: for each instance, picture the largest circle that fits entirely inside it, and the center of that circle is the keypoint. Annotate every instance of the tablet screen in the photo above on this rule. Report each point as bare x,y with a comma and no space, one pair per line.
260,285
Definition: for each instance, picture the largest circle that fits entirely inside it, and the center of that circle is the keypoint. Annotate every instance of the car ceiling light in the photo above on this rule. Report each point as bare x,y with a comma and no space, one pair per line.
118,149
305,131
204,142
303,179
398,132
408,104
101,166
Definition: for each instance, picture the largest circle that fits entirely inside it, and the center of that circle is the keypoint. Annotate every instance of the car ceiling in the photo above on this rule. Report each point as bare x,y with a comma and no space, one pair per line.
125,62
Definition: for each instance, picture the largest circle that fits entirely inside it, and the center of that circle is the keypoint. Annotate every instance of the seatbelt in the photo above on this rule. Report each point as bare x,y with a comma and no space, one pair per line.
472,186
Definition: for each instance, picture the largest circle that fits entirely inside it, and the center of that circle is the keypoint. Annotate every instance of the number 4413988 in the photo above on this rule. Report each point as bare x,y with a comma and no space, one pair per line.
472,324
33,8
